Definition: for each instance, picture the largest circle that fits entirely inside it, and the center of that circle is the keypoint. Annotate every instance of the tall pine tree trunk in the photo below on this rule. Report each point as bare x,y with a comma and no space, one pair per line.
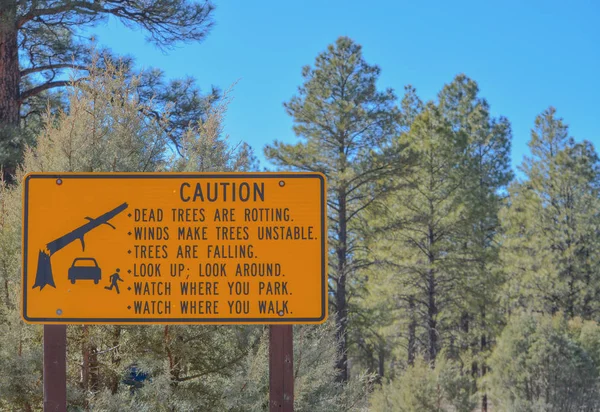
9,86
340,293
9,66
432,318
381,363
432,310
85,361
484,398
116,360
94,369
90,367
483,349
412,331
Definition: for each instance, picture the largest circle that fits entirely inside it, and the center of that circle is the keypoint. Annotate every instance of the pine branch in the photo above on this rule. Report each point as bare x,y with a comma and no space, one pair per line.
55,66
190,22
48,85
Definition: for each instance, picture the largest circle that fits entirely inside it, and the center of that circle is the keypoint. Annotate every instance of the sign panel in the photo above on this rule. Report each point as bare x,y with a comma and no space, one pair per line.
137,248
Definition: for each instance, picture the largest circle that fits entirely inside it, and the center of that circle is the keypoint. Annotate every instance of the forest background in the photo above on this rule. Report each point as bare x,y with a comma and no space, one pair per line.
457,282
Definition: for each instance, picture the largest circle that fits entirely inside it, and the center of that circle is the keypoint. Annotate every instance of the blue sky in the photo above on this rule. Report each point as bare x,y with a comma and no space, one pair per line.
525,55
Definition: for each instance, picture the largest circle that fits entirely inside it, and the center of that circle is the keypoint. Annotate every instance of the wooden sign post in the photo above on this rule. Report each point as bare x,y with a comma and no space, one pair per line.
55,368
175,248
281,368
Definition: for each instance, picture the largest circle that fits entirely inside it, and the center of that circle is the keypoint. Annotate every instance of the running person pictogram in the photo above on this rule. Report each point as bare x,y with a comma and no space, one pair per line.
114,278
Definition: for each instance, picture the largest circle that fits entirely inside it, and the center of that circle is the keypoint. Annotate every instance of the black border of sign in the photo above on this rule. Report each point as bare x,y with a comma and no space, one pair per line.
137,321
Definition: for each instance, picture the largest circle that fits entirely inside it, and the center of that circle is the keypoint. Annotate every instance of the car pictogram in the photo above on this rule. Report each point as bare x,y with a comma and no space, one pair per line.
85,268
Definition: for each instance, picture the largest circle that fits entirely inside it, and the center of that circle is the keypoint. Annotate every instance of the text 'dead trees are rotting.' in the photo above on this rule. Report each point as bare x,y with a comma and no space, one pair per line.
174,248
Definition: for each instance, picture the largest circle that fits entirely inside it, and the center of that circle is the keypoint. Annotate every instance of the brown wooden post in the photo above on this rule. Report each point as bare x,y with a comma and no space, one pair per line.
55,368
281,368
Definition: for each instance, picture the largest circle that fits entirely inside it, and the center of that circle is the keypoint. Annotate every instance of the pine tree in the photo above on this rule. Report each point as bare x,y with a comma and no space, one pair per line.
487,165
40,39
435,243
418,233
551,225
347,129
379,335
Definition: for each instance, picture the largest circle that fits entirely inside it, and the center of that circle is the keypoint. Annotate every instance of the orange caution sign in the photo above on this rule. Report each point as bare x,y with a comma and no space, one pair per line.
139,248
